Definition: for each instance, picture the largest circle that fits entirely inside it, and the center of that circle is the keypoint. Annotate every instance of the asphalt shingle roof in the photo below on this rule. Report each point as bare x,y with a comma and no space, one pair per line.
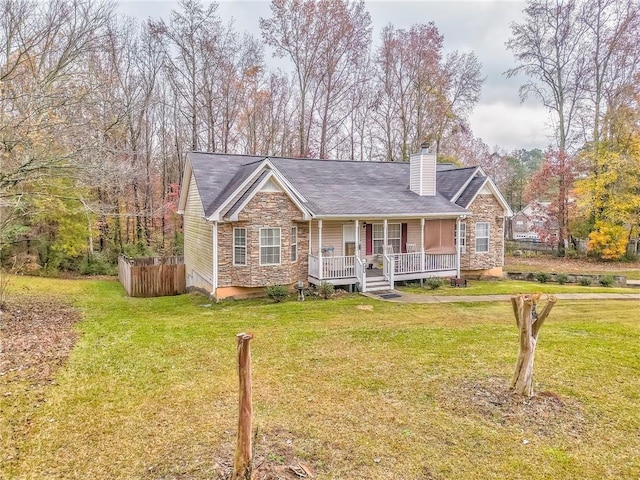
330,187
450,181
474,186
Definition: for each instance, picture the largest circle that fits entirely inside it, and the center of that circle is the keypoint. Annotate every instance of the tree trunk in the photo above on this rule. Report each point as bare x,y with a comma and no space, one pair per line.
243,458
529,323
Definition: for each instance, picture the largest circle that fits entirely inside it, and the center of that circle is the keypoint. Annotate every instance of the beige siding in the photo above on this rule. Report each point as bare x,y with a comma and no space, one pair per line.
425,175
413,233
198,242
331,237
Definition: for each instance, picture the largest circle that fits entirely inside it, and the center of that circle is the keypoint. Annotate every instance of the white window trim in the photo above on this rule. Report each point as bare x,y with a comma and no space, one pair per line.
488,237
373,237
235,263
463,237
294,244
279,245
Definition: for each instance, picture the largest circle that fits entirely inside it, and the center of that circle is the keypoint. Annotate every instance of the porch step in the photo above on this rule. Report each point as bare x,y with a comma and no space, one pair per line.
377,284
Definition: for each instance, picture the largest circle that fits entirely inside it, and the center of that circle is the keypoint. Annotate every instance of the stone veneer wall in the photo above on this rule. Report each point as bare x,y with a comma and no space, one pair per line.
265,210
485,208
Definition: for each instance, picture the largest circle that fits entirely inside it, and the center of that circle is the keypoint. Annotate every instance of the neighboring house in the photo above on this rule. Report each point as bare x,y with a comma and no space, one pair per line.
254,221
533,223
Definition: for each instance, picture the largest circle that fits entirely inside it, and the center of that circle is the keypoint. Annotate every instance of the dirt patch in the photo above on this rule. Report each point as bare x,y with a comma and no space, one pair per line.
546,414
552,264
274,459
36,336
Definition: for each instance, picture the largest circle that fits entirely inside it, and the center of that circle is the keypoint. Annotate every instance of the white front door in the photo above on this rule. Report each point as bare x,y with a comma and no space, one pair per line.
349,239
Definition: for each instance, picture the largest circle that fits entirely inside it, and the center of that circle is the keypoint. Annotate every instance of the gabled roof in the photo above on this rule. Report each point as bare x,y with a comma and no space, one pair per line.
328,188
449,181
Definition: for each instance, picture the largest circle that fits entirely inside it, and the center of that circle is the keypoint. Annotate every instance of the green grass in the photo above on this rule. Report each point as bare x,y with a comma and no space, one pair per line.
150,389
510,287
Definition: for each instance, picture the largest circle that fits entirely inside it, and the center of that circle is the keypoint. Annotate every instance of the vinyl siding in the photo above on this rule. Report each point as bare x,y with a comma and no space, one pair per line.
198,242
331,237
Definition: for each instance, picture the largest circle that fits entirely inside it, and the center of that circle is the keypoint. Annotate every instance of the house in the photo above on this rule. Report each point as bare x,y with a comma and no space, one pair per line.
533,223
254,221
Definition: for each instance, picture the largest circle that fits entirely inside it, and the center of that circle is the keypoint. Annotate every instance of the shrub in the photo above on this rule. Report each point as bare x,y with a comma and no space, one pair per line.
585,281
325,289
277,293
97,264
607,281
608,241
434,283
561,278
542,277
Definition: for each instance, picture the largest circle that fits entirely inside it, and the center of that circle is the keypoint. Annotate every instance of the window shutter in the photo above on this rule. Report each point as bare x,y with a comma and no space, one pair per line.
403,241
369,235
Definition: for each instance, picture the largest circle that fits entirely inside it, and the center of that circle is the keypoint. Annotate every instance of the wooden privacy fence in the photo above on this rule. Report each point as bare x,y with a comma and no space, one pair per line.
152,276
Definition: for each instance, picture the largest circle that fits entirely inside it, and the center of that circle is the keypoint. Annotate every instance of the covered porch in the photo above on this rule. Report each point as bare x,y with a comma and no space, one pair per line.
376,253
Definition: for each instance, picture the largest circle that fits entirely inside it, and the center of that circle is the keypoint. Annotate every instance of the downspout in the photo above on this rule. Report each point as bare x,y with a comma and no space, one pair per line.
458,247
320,269
422,266
214,270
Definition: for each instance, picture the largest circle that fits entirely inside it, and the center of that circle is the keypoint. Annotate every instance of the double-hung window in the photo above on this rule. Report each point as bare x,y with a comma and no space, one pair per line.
239,246
294,244
269,246
482,237
394,237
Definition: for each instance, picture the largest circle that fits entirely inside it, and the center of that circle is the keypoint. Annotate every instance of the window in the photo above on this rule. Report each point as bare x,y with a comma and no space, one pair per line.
463,237
482,237
294,244
394,237
239,246
269,246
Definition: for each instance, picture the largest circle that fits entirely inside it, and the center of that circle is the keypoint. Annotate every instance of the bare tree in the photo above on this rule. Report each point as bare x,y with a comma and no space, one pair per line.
529,322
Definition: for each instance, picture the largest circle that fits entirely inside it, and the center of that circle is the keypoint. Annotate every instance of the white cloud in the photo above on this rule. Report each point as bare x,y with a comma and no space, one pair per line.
511,126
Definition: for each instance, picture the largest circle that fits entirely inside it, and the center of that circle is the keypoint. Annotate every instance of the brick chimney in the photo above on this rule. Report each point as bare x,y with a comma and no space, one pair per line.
422,168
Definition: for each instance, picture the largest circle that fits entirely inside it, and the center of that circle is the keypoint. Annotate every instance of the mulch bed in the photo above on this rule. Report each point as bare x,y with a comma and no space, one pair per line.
546,414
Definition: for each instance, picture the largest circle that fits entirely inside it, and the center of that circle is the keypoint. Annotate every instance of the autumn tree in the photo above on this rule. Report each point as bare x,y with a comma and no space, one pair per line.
43,128
421,95
325,40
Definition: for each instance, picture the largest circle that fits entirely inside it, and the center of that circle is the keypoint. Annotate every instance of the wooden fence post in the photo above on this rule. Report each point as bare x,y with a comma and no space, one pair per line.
243,458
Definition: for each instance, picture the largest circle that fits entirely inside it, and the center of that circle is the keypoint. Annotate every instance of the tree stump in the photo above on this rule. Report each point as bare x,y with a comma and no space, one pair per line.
243,457
529,323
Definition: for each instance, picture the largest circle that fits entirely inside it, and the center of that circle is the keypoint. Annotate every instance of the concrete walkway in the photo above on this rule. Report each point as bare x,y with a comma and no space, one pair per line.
427,298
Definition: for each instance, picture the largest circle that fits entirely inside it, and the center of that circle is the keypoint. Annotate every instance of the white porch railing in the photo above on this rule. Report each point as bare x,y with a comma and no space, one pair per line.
361,274
388,268
403,263
438,262
412,262
408,262
332,267
314,266
338,267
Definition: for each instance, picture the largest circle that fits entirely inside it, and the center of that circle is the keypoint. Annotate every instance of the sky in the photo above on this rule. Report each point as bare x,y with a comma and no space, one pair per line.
481,26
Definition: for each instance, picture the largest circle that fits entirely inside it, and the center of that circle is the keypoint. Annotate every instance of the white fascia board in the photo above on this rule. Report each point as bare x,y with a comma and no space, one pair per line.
284,182
265,164
306,215
398,216
184,187
466,184
215,216
507,212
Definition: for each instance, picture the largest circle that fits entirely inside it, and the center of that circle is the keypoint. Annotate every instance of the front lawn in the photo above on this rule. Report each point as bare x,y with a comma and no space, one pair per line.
508,287
352,388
